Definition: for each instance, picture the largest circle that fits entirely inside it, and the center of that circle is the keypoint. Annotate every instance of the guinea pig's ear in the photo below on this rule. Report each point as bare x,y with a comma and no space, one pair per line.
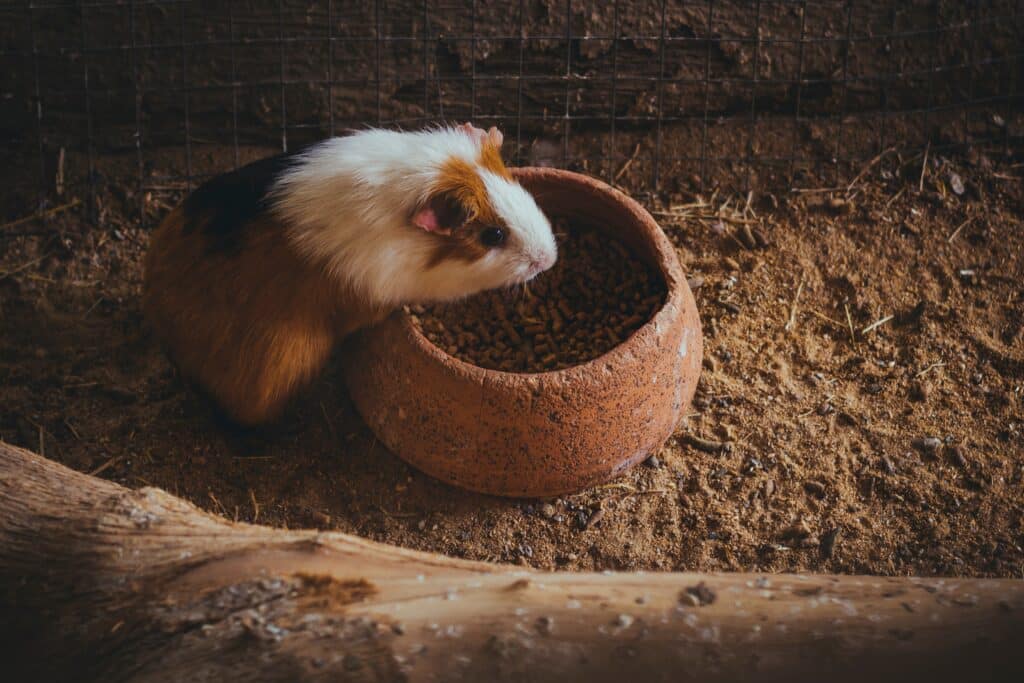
441,214
495,137
491,137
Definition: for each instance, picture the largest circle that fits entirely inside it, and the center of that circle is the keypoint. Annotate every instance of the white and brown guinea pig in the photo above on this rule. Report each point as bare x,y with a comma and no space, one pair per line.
252,281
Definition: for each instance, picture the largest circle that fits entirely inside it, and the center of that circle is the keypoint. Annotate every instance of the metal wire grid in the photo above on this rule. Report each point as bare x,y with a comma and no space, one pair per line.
109,55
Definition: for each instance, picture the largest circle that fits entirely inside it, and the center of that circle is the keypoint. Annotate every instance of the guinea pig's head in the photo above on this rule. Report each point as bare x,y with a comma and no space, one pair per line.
480,228
414,216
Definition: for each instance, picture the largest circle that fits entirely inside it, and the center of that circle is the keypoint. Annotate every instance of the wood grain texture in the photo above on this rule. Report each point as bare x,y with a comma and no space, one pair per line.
105,583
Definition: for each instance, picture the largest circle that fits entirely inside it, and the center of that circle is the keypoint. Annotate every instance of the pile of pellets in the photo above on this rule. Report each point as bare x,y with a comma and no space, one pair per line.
595,296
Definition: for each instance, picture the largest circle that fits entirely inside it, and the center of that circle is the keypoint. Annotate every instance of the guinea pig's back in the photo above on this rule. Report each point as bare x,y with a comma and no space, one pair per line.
205,257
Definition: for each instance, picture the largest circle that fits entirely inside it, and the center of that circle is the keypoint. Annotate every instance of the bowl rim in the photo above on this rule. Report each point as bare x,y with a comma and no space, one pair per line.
666,261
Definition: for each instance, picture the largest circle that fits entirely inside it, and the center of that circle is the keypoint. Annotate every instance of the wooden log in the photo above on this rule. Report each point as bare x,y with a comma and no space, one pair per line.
102,583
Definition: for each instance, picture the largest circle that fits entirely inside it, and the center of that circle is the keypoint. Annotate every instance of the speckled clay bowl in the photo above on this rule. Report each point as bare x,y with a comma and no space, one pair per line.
547,433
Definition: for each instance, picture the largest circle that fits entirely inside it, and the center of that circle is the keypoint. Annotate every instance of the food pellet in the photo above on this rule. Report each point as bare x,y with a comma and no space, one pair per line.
595,296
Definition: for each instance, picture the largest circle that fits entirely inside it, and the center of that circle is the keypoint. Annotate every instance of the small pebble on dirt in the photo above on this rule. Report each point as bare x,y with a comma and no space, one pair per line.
927,444
816,489
957,454
547,510
845,418
968,276
582,520
729,306
797,531
956,183
653,462
919,391
912,315
828,542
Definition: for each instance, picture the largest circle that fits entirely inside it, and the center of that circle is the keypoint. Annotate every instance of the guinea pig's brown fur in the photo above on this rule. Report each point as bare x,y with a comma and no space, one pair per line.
267,323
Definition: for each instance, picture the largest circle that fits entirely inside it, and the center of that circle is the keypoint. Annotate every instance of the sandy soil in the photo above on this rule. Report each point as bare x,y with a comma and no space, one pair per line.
867,369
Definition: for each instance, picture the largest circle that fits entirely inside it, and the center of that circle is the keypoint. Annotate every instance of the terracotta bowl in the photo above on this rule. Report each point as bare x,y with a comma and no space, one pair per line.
547,433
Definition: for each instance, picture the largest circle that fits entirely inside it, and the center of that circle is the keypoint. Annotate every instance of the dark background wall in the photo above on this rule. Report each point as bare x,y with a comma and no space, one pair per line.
697,94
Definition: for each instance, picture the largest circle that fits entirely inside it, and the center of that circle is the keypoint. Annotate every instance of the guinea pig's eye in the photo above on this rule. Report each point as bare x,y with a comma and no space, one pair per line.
493,236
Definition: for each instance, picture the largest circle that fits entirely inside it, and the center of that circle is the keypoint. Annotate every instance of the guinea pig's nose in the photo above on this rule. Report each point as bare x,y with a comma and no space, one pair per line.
544,261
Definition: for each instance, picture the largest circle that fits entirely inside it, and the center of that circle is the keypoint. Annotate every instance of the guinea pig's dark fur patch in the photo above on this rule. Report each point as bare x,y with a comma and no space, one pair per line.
223,206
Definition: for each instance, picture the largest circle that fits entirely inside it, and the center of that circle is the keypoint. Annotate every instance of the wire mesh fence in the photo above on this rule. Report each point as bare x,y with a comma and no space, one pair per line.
654,95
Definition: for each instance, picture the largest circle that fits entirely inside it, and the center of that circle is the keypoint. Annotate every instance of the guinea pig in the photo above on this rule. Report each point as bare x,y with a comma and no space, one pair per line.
254,279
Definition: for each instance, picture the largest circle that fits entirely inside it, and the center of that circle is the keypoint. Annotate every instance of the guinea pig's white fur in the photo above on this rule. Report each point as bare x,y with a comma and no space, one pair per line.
347,202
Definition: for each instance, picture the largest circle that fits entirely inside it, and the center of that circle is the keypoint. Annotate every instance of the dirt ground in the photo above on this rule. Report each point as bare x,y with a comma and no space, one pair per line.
867,369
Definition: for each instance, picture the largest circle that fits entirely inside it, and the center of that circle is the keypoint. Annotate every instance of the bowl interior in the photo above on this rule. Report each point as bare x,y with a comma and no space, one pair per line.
577,199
